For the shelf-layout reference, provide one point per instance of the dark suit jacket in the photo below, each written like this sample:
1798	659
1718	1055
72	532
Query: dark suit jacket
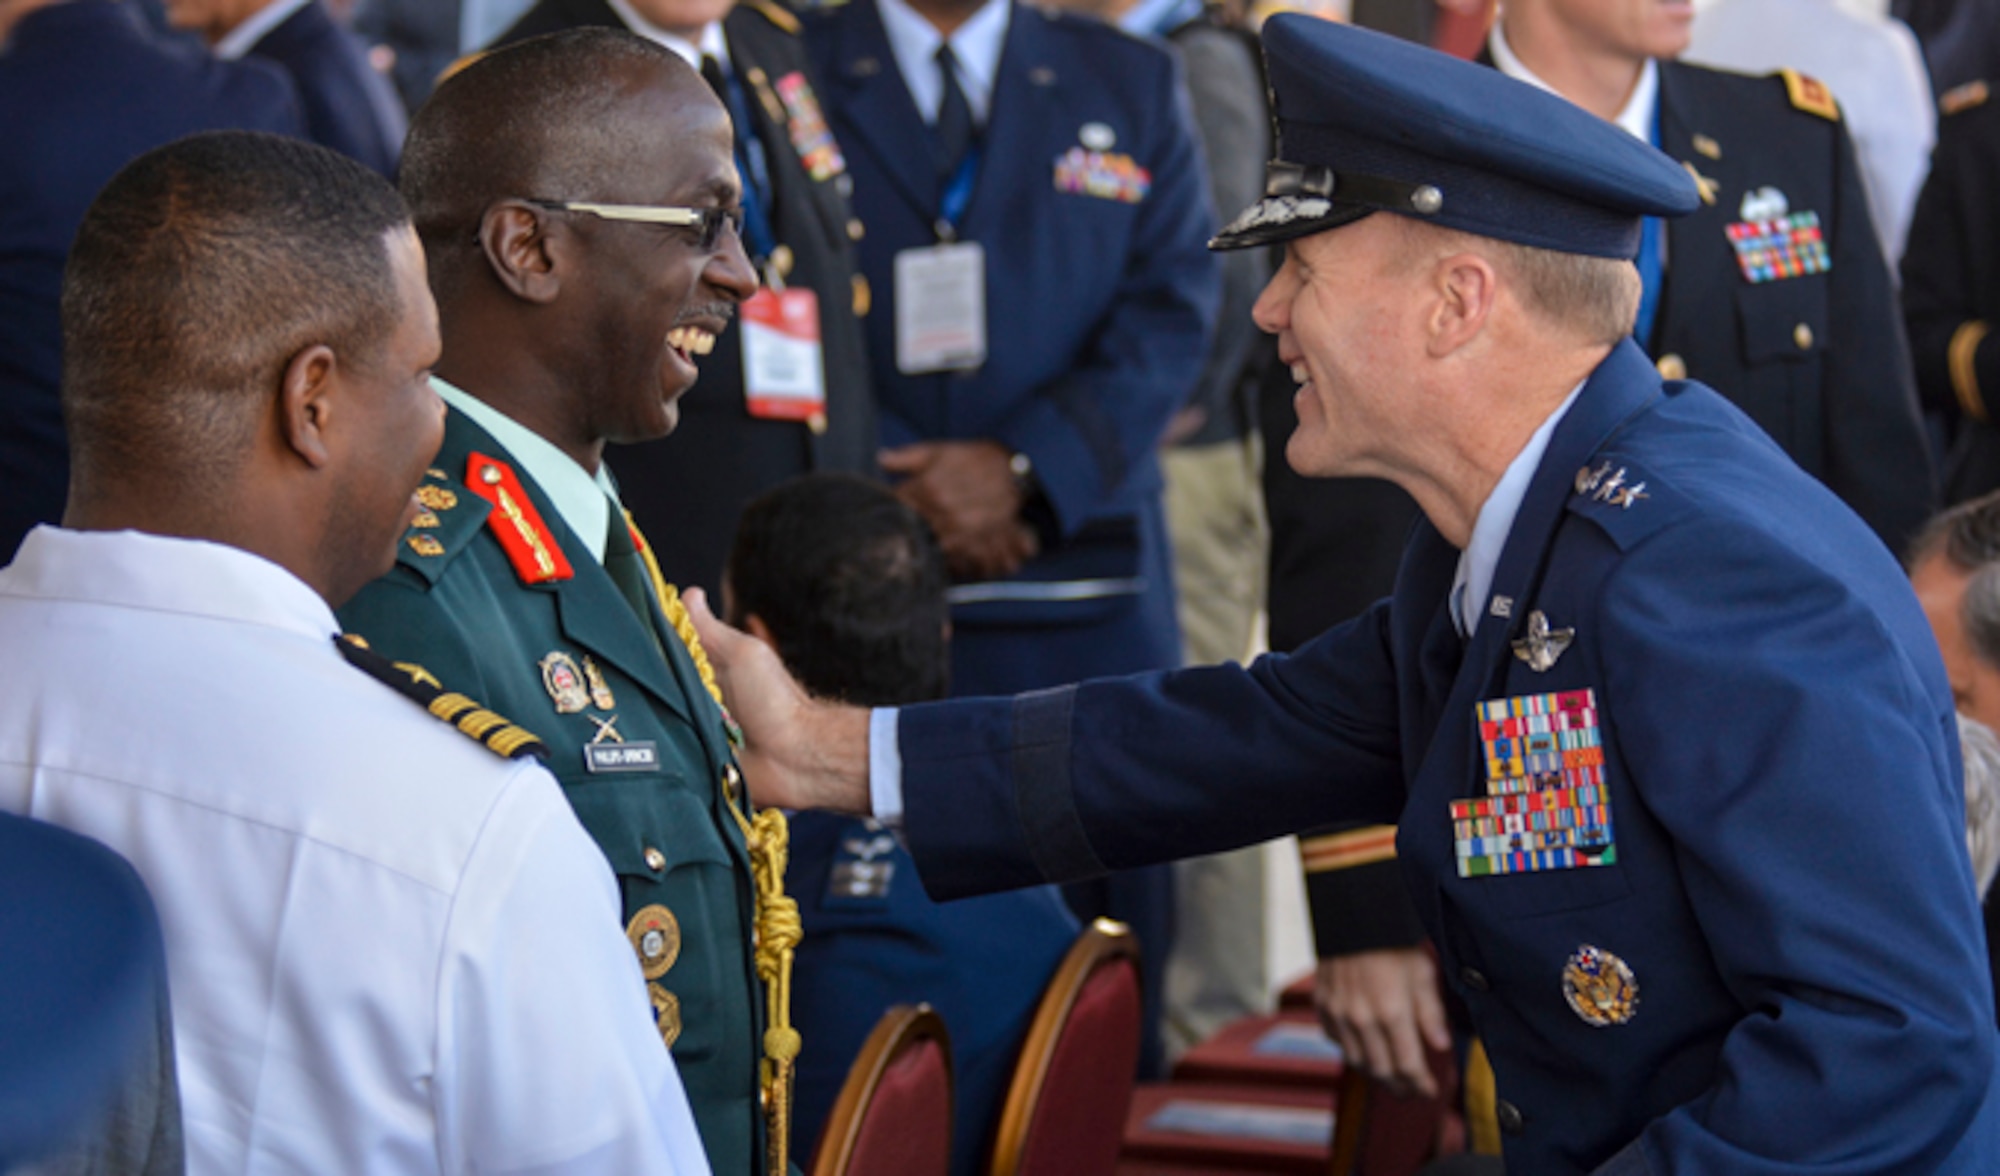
1098	314
89	89
455	605
1788	888
687	489
1951	289
349	107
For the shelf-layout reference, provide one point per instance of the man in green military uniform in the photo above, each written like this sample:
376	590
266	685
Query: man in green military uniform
578	206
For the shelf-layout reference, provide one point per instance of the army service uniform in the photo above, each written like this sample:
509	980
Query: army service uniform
507	604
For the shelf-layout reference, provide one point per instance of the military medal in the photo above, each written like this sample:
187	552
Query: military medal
656	936
1546	807
666	1013
1540	646
1599	987
564	683
600	690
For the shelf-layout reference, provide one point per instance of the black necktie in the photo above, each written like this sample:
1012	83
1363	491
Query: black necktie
627	570
954	121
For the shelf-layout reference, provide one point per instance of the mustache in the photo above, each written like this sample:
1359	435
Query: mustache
709	311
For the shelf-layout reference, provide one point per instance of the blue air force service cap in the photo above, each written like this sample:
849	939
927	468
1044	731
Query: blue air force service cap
1369	123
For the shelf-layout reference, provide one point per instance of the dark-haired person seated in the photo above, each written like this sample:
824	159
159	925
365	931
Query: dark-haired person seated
392	949
847	584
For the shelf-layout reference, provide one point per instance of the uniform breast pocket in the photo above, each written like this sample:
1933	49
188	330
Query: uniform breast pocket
1521	896
1783	320
680	890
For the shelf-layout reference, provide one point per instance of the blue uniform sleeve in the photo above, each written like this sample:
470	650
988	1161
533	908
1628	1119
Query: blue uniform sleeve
1062	784
1089	429
1799	749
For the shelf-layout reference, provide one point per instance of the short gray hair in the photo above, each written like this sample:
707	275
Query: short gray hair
1968	537
1597	297
1981	752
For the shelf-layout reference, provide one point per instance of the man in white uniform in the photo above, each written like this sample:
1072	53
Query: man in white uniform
391	949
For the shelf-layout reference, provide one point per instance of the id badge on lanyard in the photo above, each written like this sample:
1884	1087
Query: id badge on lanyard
941	292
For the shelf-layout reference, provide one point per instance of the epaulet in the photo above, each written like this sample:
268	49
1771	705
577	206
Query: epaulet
416	683
1959	99
1810	94
529	543
1622	499
448	521
784	18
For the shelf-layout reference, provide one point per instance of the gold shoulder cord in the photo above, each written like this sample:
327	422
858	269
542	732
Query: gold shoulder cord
778	929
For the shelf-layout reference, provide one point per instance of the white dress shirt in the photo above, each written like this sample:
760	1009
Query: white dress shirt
709	41
1637	118
1872	64
390	951
977	43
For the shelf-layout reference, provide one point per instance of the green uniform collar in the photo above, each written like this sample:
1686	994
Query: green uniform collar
584	501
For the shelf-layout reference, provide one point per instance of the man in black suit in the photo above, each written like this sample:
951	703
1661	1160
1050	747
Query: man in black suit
743	431
349	107
92	89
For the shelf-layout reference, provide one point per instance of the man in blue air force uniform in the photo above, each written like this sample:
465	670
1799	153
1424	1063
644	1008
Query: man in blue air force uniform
1669	745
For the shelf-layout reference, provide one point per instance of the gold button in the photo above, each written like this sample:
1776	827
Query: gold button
855	230
490	475
863	297
732	780
655	860
1672	367
1802	335
782	261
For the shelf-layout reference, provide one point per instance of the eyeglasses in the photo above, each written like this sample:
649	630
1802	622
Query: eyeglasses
708	221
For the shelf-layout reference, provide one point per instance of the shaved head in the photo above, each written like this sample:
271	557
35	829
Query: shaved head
535	120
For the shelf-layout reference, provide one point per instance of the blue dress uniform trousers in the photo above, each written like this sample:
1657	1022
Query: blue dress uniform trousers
1787	894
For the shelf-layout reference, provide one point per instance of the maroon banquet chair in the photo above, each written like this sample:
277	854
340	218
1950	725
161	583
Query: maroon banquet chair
1065	1109
893	1115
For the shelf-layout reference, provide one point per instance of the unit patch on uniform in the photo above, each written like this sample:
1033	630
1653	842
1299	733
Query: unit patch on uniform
1790	246
806	125
656	936
1600	987
1546	807
564	682
1108	175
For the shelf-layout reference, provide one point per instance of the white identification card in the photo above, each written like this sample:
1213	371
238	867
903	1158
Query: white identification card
783	377
940	308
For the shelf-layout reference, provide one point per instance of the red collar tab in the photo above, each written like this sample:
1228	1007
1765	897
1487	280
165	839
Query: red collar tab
530	546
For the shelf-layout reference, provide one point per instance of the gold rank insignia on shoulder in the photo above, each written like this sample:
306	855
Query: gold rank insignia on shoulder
1810	94
1959	99
426	520
1600	987
426	545
414	682
437	497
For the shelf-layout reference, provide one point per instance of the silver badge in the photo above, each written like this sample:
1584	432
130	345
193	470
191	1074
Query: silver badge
1097	136
1541	645
1763	204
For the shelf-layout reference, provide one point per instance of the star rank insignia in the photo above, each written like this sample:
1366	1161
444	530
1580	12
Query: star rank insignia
1605	485
1541	646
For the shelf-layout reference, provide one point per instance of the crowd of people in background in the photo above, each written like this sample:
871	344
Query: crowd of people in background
952	399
